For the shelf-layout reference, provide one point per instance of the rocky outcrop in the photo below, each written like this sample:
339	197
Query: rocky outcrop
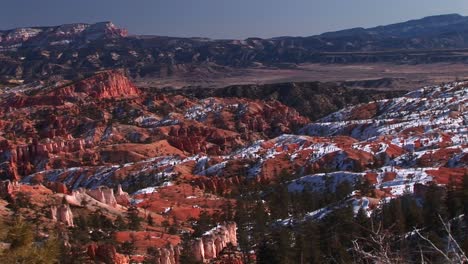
106	253
121	197
62	213
218	185
226	124
106	195
206	248
7	188
104	85
82	196
21	160
57	187
168	255
214	241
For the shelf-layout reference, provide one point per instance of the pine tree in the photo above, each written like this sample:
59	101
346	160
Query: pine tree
120	223
283	249
186	254
152	255
412	211
343	189
464	201
242	218
307	245
204	224
452	200
267	254
280	202
150	220
261	220
134	220
398	216
227	212
337	228
363	223
20	234
24	250
433	206
366	188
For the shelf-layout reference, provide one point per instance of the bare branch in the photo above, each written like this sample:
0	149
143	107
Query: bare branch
433	245
463	257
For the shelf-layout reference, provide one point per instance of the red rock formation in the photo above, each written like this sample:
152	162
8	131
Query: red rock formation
214	241
107	84
168	255
7	188
106	253
218	185
122	197
57	187
71	127
22	158
196	139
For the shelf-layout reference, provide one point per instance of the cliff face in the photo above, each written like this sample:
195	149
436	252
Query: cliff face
62	214
23	159
104	85
214	241
106	195
219	185
168	255
204	249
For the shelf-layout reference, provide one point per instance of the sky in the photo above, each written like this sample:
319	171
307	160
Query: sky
233	19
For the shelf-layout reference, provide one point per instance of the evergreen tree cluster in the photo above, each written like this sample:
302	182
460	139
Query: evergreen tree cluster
396	230
25	247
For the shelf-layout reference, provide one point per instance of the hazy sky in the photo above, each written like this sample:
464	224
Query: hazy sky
224	18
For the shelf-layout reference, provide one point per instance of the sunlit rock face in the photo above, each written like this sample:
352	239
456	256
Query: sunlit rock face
62	213
214	241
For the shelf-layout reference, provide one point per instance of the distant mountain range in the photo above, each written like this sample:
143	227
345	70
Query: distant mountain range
70	51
